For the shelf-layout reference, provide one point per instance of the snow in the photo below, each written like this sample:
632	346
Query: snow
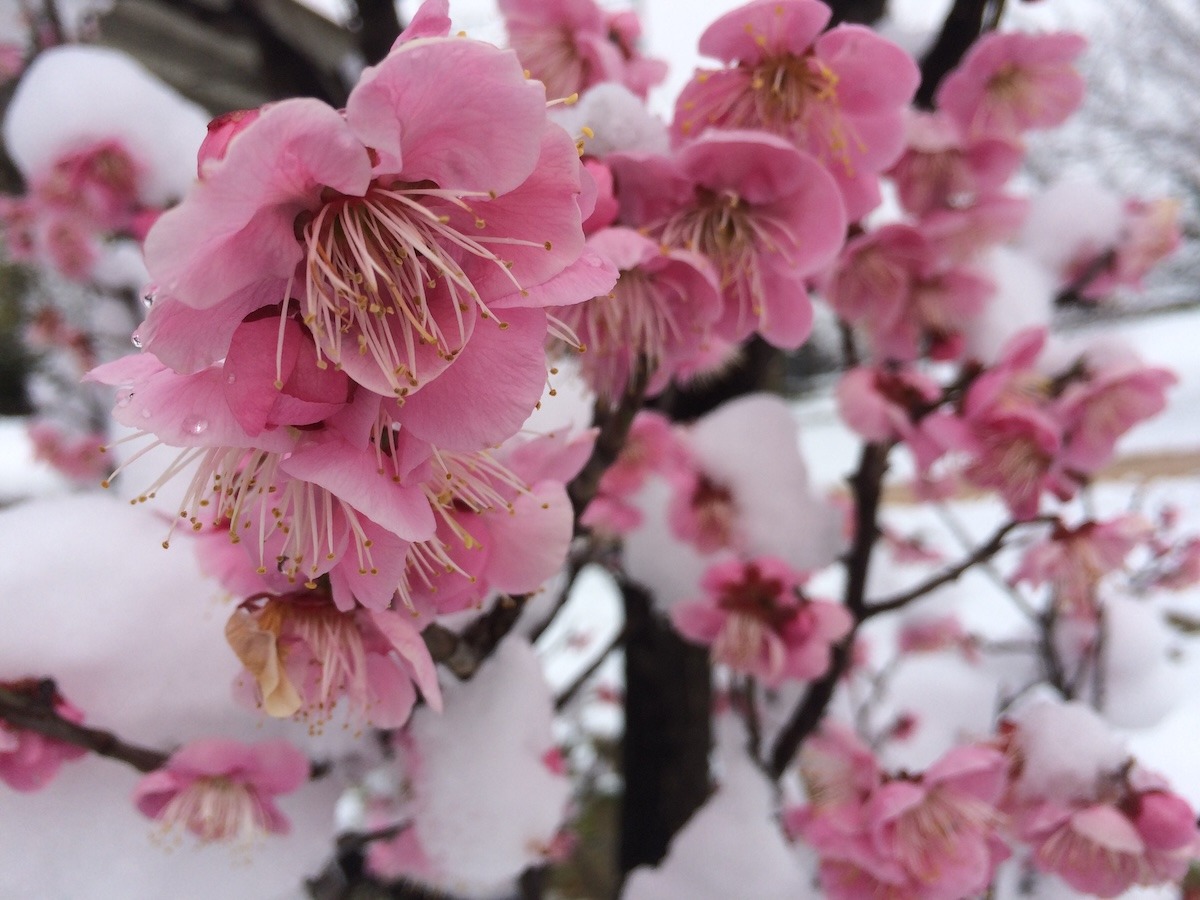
731	842
484	800
75	95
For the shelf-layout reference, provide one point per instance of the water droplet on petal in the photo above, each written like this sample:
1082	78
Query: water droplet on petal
137	340
195	425
230	379
145	413
149	295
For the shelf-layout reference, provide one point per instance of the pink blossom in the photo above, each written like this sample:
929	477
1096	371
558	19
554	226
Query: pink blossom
652	446
402	226
661	310
1074	560
765	214
839	95
757	623
888	405
305	656
77	456
221	790
891	283
941	170
1149	234
571	45
1104	849
1108	397
930	836
1011	82
28	760
505	522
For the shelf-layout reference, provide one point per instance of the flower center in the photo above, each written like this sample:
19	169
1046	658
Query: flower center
216	808
385	275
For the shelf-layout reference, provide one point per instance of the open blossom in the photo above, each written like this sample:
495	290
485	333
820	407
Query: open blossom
571	45
1103	848
28	760
933	836
757	623
1074	560
765	214
838	95
661	310
651	447
402	226
893	284
1112	391
222	790
306	656
940	169
1009	83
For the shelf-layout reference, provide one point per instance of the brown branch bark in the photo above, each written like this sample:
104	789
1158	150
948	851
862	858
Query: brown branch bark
867	487
33	710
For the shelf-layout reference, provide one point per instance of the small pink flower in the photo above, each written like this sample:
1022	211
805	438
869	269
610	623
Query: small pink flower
756	623
1009	83
765	214
305	656
77	456
839	95
892	284
28	760
1105	849
901	404
1108	398
662	309
222	790
652	446
1074	560
571	45
941	170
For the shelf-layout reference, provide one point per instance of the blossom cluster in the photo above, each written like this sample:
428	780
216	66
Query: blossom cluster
345	338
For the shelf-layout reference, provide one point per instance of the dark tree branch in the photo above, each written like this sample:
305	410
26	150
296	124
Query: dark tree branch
982	553
867	487
965	22
379	26
33	710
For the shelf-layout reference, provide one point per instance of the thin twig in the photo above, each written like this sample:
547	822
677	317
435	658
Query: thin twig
34	711
981	554
585	676
867	486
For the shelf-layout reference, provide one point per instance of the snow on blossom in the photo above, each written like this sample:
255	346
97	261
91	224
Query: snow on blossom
28	760
839	95
1023	299
731	842
757	623
617	119
744	493
75	98
132	635
477	778
222	790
